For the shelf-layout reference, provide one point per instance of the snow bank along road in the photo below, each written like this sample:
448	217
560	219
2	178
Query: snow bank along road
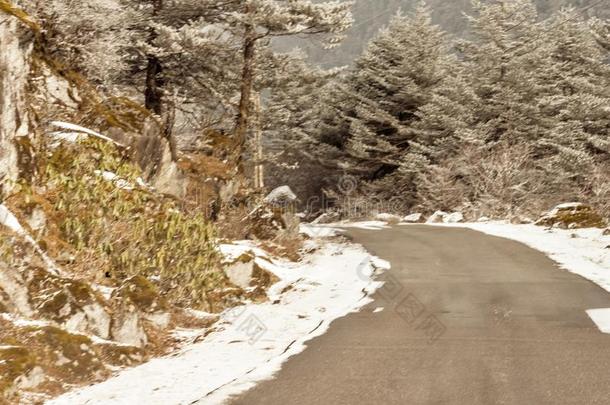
251	341
468	319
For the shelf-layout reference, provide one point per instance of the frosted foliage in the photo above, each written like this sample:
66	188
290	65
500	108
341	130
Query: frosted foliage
518	121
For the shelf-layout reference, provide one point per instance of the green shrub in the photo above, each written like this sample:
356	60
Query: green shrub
129	231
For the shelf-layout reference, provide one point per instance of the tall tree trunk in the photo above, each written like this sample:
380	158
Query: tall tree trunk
259	168
247	80
154	83
153	93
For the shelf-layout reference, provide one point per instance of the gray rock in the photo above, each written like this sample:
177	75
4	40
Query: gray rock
281	196
37	220
414	218
327	218
169	179
127	328
437	218
454	218
14	120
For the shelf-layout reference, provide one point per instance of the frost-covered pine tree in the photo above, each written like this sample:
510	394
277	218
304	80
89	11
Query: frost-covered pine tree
534	89
151	49
81	38
293	108
392	80
256	21
505	61
442	125
577	105
291	122
601	31
182	55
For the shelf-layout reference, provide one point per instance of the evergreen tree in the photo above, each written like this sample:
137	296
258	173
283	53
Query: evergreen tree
505	62
392	80
253	21
76	34
576	107
291	120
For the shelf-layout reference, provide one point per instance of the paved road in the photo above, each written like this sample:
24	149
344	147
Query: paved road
514	331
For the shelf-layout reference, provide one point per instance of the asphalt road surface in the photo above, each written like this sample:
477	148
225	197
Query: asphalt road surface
468	319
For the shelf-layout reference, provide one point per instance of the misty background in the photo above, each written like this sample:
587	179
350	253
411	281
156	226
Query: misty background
372	15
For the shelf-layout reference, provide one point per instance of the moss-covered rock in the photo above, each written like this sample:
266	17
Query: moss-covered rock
137	303
572	216
70	303
15	361
265	222
66	357
120	355
46	359
142	293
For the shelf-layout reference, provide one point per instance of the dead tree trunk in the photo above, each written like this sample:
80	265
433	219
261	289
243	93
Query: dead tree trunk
245	102
153	93
259	168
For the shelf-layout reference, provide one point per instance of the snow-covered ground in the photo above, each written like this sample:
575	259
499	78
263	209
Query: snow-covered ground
255	340
325	230
252	341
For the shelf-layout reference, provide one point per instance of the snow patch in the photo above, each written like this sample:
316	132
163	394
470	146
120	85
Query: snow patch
76	131
380	263
252	341
235	250
601	317
318	231
367	225
388	218
118	182
10	221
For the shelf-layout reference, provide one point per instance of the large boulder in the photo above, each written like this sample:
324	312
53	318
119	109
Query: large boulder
248	273
71	304
41	359
268	221
138	304
28	290
281	196
264	222
442	217
388	218
572	216
454	218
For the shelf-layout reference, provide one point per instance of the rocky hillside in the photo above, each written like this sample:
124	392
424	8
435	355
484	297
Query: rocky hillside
107	240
